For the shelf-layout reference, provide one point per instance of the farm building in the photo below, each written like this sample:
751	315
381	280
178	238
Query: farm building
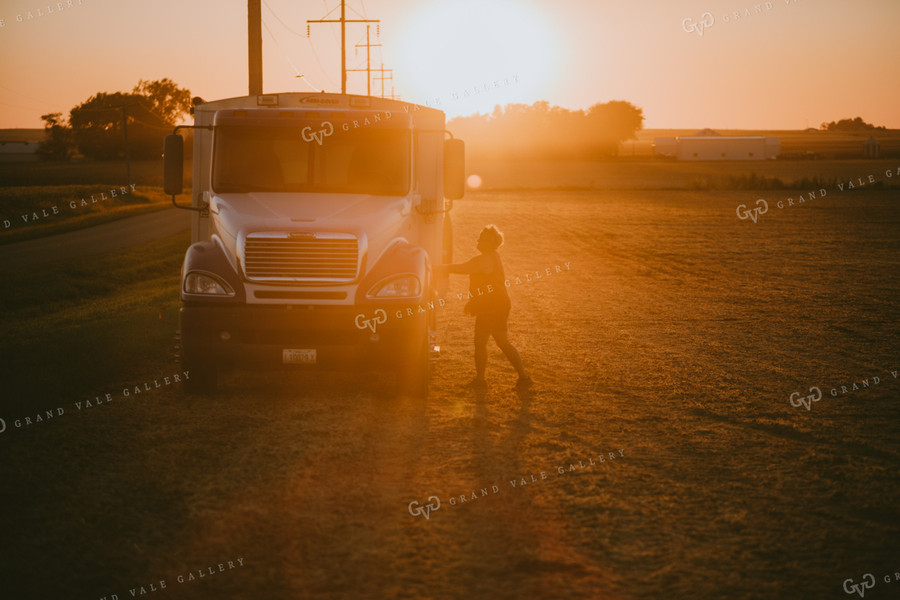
718	147
871	148
18	151
665	146
20	145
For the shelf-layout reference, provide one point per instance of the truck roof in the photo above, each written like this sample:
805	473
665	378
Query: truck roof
318	100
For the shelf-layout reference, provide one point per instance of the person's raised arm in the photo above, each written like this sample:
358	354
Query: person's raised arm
478	264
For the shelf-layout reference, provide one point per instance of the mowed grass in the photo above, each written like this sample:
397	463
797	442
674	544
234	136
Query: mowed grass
36	211
676	334
73	325
649	174
679	335
827	144
86	172
30	190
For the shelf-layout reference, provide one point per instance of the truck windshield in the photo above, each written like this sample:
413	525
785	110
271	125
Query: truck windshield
279	159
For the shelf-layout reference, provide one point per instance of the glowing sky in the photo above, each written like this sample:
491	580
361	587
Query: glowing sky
789	65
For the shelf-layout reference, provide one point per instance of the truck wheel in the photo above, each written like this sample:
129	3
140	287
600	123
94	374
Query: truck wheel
204	377
447	248
414	368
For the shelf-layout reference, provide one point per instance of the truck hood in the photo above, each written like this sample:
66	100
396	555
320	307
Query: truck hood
377	219
313	209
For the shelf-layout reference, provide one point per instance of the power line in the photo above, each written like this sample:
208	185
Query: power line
357	12
124	108
368	68
382	70
343	21
138	103
283	24
286	26
16	106
22	95
283	53
288	58
325	4
319	62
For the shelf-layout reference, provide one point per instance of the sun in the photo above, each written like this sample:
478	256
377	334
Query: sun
464	56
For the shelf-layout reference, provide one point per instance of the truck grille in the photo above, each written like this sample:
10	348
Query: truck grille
321	257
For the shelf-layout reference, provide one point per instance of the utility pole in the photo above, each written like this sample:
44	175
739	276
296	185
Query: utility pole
382	78
127	153
124	108
343	21
254	47
368	68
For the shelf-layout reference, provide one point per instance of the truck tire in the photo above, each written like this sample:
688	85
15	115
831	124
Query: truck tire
204	377
447	248
414	366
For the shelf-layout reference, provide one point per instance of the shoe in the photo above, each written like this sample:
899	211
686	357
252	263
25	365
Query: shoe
524	382
476	384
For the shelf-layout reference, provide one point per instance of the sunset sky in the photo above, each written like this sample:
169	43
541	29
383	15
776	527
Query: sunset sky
793	64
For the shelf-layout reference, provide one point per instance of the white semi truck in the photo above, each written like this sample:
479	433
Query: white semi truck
317	219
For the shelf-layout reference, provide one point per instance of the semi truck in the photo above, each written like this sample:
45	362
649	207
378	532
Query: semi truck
316	221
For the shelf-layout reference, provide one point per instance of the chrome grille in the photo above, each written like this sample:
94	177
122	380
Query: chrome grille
324	257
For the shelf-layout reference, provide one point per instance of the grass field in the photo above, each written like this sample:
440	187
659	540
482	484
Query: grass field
30	191
677	335
88	320
143	172
36	211
644	174
822	144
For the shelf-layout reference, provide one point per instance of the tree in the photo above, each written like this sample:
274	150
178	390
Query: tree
545	131
615	122
99	123
856	124
98	126
166	99
57	143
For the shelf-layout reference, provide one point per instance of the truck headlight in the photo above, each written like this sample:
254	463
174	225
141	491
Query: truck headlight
403	286
206	284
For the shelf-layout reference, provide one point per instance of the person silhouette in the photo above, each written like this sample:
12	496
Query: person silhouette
489	304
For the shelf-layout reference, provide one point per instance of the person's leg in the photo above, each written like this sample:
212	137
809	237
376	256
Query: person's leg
511	353
482	334
499	331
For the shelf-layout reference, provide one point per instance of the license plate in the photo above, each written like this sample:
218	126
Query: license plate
293	356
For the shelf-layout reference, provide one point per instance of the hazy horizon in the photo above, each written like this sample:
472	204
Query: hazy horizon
783	65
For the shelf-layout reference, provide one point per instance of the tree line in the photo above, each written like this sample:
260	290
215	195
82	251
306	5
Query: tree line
97	127
856	124
544	131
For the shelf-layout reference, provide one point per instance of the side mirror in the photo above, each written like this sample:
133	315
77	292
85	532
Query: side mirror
173	178
454	169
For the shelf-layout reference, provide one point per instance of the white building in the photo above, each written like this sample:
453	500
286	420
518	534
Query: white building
665	146
718	147
18	151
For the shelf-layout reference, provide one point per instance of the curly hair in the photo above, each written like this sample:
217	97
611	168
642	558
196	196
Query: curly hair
492	236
